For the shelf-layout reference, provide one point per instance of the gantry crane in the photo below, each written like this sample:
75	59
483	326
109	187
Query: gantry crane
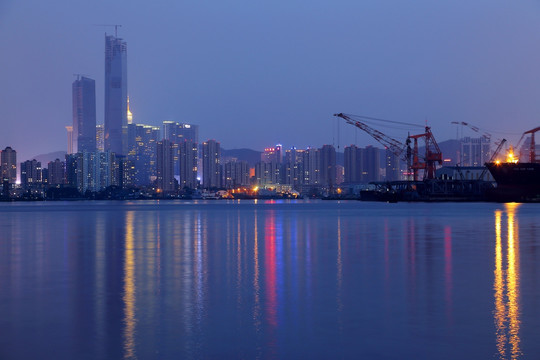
414	161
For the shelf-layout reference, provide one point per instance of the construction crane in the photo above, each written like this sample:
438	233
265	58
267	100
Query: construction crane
116	26
414	161
532	145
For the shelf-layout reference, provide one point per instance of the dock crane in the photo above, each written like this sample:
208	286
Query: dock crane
532	145
414	161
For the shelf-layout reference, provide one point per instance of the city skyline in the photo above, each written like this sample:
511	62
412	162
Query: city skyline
272	84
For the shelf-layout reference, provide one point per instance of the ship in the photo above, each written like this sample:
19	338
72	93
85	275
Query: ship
517	181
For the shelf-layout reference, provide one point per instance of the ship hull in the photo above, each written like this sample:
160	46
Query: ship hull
516	182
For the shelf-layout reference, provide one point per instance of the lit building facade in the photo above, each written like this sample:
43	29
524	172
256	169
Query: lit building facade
8	165
84	114
100	137
31	174
69	133
272	154
115	94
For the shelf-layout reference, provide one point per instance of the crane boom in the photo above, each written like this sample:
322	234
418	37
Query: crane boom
391	144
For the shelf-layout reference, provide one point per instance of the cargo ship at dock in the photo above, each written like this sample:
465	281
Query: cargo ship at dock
517	181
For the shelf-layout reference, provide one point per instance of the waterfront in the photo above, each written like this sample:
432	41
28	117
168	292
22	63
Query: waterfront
268	279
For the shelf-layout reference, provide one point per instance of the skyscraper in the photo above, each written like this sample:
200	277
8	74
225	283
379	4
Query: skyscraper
115	94
328	165
188	164
211	164
8	166
164	166
84	114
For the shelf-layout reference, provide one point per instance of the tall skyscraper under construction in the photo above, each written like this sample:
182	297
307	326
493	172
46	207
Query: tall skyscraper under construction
84	115
115	94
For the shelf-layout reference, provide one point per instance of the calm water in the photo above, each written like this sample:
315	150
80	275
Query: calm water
266	279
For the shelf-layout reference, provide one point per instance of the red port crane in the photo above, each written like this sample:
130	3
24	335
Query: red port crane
532	145
414	161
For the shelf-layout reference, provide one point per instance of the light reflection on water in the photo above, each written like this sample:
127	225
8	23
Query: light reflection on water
506	285
268	280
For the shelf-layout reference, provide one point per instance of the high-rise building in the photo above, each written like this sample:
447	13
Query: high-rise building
267	173
353	164
475	151
293	169
8	165
31	173
94	171
236	174
371	164
84	114
392	166
178	132
100	137
115	94
69	130
272	154
188	158
56	172
142	140
164	166
312	166
211	164
328	165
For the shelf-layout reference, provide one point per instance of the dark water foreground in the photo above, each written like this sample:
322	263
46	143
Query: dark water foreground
319	280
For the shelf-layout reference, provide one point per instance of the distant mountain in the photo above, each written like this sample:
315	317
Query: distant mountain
251	156
45	158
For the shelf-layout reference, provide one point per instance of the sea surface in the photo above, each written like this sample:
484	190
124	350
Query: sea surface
269	279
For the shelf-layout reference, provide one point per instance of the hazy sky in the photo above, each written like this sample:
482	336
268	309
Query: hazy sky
254	73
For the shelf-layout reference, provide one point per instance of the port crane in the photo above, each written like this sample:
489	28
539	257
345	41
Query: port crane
532	145
414	161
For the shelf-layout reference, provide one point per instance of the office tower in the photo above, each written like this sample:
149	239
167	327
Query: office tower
371	161
475	151
56	172
30	173
8	165
69	130
236	174
84	114
100	137
115	94
188	158
211	162
164	166
353	164
328	165
392	166
272	154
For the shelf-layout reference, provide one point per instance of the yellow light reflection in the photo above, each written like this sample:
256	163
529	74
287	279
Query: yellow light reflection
129	291
507	306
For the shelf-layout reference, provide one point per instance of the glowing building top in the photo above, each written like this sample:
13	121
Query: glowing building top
129	114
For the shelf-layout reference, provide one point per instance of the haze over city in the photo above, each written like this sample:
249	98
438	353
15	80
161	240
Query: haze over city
255	74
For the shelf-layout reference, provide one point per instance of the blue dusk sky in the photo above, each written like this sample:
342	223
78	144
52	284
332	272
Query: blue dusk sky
255	73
